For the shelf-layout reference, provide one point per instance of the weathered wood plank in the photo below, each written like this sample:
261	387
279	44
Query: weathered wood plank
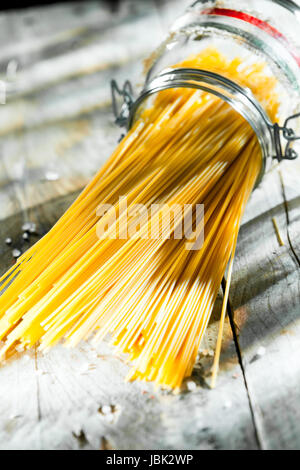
73	385
289	176
19	386
69	111
76	387
33	172
52	31
169	11
107	42
266	300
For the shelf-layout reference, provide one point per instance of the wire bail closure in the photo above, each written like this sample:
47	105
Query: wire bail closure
123	115
289	135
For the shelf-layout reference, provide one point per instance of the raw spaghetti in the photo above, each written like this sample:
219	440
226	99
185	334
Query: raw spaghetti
153	296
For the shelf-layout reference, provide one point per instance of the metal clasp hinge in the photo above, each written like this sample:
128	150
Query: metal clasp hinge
289	135
121	114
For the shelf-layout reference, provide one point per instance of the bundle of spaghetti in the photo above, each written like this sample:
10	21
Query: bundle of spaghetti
103	273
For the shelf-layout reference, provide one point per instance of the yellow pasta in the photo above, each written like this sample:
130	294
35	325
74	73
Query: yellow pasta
152	295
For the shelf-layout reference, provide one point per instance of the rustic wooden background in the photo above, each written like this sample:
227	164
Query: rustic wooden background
56	129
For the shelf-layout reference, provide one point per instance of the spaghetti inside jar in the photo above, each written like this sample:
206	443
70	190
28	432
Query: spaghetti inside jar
231	38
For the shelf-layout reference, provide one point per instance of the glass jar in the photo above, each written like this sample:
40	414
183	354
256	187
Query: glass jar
252	30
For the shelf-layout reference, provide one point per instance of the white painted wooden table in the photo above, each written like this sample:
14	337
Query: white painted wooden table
55	131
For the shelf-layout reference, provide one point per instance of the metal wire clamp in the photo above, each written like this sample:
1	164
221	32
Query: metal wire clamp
289	135
121	114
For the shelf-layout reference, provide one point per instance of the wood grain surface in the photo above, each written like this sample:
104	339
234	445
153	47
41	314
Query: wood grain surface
56	129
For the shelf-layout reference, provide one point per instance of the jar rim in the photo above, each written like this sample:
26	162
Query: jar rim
239	98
